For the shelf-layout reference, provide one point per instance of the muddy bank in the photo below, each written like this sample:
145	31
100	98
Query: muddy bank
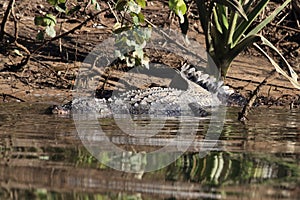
50	74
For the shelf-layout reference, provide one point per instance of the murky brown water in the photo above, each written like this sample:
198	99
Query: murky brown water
42	157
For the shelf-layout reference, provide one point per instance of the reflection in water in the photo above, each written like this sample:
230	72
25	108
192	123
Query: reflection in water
41	157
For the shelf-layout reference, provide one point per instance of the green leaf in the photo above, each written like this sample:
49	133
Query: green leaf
244	43
292	77
216	20
50	19
141	17
247	5
56	2
141	3
179	7
73	10
47	20
135	19
268	19
50	31
133	7
225	27
233	5
232	29
121	5
97	6
53	2
138	53
244	25
40	35
222	13
39	21
61	7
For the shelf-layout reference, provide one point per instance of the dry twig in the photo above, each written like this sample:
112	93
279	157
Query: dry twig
5	17
243	115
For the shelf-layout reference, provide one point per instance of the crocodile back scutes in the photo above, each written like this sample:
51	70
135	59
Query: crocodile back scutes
206	81
154	101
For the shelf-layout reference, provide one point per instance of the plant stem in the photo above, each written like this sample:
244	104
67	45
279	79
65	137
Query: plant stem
4	20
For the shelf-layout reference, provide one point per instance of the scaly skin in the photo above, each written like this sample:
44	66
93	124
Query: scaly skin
203	92
152	101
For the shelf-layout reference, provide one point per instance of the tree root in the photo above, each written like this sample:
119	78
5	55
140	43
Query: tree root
5	17
242	116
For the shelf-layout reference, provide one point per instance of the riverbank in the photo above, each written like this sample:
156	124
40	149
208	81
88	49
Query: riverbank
50	74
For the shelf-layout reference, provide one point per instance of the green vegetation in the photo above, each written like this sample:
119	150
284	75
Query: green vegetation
227	24
130	39
49	20
228	28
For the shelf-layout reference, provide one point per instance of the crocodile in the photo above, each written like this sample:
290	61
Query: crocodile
203	93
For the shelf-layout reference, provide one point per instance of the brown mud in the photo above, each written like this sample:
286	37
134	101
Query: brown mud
49	76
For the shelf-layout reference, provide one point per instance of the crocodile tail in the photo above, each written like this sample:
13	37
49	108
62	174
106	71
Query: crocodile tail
211	84
206	81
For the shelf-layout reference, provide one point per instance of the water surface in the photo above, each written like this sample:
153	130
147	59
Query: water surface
42	157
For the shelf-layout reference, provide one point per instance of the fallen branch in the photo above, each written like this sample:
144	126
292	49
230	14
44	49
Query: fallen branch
289	28
5	17
11	96
26	59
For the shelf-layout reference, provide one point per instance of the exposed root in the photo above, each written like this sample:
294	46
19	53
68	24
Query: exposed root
243	115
